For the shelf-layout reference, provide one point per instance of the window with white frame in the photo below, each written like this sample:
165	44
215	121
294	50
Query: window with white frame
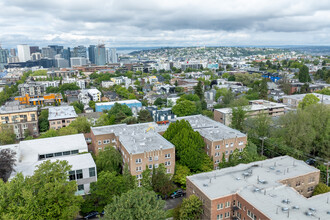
167	156
167	163
227	145
226	152
220	206
217	154
227	214
138	160
150	158
217	147
99	142
227	204
240	143
168	170
231	151
138	169
156	158
231	144
219	217
240	149
217	161
150	166
156	165
139	176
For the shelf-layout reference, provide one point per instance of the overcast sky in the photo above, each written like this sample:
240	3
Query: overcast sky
165	22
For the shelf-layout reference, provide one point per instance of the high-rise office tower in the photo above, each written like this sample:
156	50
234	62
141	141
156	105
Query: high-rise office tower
79	51
100	57
4	54
56	48
13	52
48	52
114	55
34	49
91	53
23	51
36	56
66	53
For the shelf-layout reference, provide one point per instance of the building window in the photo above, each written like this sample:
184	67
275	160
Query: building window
311	179
74	152
58	154
79	174
150	158
227	204
138	160
139	176
156	157
72	175
156	165
217	154
226	152
80	187
227	214
49	155
168	170
231	144
217	161
231	151
310	189
220	206
66	153
227	145
240	143
167	156
167	163
150	166
217	147
298	183
219	217
138	169
91	171
99	142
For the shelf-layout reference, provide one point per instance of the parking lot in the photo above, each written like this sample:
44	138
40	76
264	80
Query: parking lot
172	203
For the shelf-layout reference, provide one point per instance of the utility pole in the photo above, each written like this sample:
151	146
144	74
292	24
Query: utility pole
327	180
262	144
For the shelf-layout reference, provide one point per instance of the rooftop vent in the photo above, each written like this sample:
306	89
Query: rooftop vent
308	213
205	185
285	209
312	209
286	201
256	190
272	168
295	207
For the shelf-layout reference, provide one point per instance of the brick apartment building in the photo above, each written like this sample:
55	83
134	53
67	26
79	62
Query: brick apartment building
140	145
21	119
254	108
144	141
61	116
277	188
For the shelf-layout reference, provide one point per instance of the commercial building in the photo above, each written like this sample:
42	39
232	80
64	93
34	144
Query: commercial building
100	56
276	188
31	89
23	51
79	51
33	152
61	116
47	99
23	121
224	115
78	61
293	100
140	145
91	53
134	105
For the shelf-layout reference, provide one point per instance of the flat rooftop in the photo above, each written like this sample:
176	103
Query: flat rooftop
119	102
137	139
61	112
269	171
299	97
258	182
16	109
256	105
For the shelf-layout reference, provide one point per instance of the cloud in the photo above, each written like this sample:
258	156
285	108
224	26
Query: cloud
170	22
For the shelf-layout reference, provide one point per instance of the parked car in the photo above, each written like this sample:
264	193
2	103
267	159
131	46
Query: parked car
91	215
177	194
311	161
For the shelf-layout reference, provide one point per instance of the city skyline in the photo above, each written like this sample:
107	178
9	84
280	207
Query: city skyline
171	23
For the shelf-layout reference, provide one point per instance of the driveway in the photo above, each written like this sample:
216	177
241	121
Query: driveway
172	203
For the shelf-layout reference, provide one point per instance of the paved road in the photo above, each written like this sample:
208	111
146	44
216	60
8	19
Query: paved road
172	203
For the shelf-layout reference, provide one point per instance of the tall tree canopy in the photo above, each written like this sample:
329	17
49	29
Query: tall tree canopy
7	163
138	203
304	74
109	159
46	195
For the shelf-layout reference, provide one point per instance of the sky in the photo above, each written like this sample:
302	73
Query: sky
145	23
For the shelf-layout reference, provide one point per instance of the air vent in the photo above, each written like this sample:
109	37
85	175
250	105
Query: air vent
286	201
295	207
285	209
312	209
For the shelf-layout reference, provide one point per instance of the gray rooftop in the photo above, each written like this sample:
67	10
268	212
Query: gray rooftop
257	105
258	182
61	112
15	107
325	99
136	139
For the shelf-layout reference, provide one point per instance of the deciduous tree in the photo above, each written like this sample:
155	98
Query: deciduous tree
7	163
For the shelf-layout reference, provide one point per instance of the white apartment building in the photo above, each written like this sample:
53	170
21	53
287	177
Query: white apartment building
23	52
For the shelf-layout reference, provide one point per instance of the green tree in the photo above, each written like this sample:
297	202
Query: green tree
144	116
81	124
309	99
43	121
191	208
7	135
320	189
304	74
109	160
67	131
129	120
45	195
108	185
238	117
78	107
198	89
49	133
184	108
7	163
136	204
225	75
92	104
263	89
181	173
